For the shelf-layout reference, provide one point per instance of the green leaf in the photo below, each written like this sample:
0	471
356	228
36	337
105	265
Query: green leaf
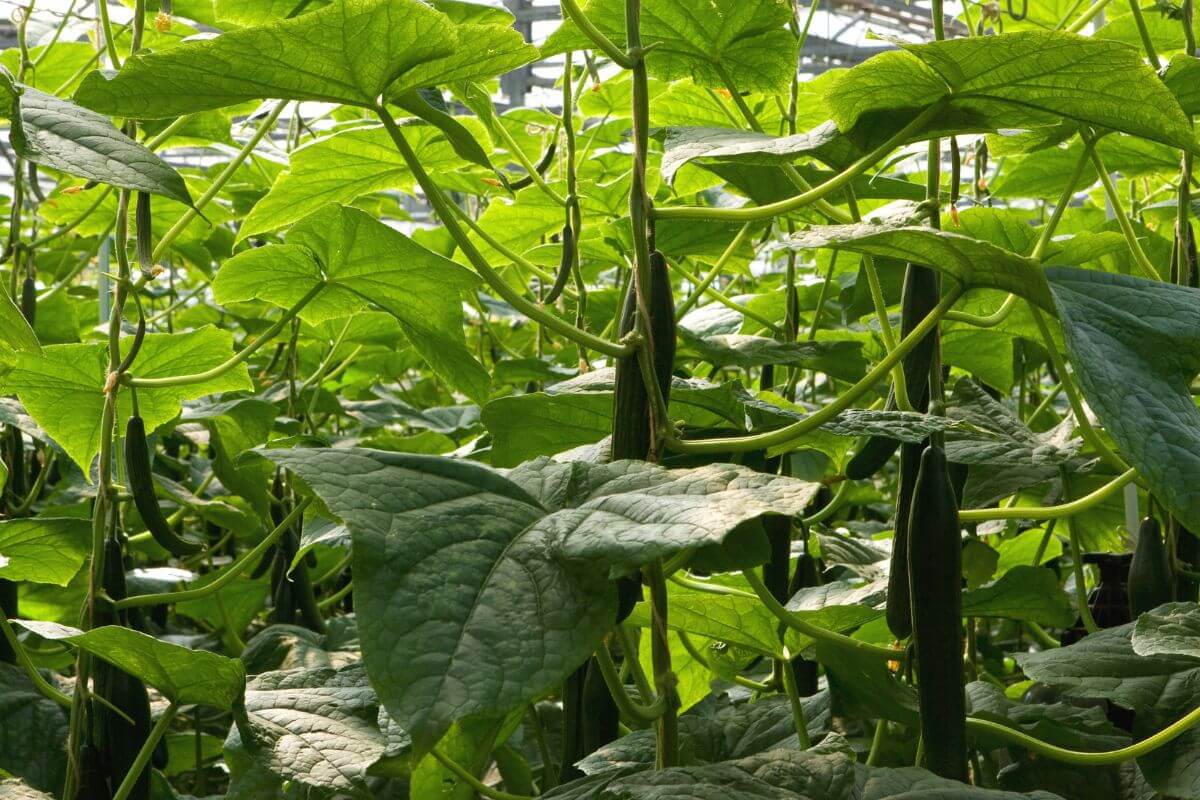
1183	79
536	547
58	134
33	735
362	261
744	39
62	387
344	166
347	52
732	146
1024	79
1014	443
1169	630
181	675
15	334
720	730
1061	724
485	51
15	789
1135	349
317	727
43	549
971	262
1024	592
841	359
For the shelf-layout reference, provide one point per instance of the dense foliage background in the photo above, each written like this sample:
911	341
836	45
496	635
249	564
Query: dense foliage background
724	432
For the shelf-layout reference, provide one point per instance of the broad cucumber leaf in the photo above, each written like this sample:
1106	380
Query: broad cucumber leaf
59	134
1024	592
718	730
362	261
744	39
484	51
181	675
1183	78
15	789
1023	79
347	52
344	166
62	387
43	549
730	145
317	727
33	735
533	550
15	334
1135	348
1169	630
973	263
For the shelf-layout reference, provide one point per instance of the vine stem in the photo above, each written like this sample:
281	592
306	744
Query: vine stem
230	363
265	127
793	695
702	286
815	631
1114	198
812	195
144	754
741	444
1087	16
450	221
466	777
572	11
636	712
1051	512
229	573
41	684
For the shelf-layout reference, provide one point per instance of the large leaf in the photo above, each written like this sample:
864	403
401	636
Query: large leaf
348	52
62	387
360	260
730	145
973	263
531	551
317	727
344	166
1025	79
1135	348
43	549
58	134
181	675
34	732
744	39
1029	593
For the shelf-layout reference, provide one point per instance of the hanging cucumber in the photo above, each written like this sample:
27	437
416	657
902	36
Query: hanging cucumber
631	404
1149	584
29	300
141	486
564	266
917	300
935	578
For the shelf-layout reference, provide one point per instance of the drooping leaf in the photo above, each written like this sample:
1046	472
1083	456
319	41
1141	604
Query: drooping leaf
347	52
182	675
34	732
59	134
43	549
1135	349
1023	593
1023	79
973	263
421	524
730	145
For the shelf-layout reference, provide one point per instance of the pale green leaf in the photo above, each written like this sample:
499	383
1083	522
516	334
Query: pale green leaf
43	549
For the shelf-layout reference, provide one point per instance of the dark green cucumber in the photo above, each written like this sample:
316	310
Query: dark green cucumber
935	578
539	167
631	404
143	223
1187	549
141	486
917	299
29	300
17	484
1149	584
564	266
899	602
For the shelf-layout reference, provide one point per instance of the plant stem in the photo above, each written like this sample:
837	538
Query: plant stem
449	220
146	751
742	444
702	286
41	684
469	779
641	714
1135	10
572	11
1051	512
265	127
793	694
1087	16
1114	198
812	195
667	739
815	631
241	356
227	575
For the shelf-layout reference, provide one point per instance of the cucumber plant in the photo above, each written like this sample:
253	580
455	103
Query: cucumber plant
718	431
